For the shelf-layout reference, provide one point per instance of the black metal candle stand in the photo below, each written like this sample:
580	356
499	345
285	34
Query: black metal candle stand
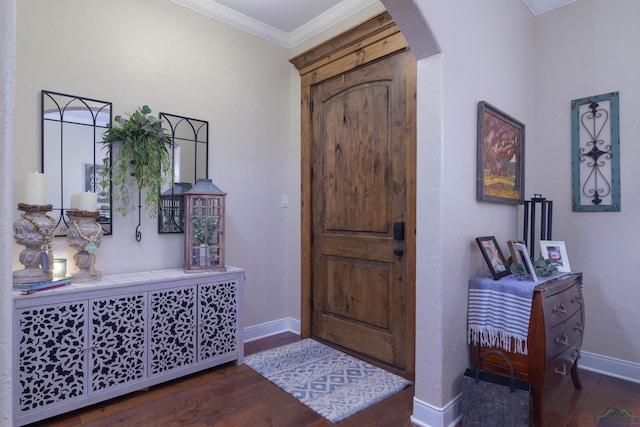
546	218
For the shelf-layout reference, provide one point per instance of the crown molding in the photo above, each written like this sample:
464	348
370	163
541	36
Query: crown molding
337	13
540	6
243	22
323	21
236	19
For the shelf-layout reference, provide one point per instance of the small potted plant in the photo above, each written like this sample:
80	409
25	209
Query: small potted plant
142	158
205	234
543	268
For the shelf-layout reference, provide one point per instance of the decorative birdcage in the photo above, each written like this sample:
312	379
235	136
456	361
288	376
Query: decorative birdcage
204	227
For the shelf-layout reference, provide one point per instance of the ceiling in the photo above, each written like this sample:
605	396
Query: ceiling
290	22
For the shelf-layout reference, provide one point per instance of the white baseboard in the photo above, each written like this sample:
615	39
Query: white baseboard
426	415
263	330
609	366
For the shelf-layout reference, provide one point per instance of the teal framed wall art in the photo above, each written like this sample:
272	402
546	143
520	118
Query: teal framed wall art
595	135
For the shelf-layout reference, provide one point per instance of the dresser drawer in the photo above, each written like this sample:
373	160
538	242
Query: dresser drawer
565	335
560	366
561	303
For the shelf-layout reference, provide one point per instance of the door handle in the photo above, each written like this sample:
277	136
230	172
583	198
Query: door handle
398	251
398	230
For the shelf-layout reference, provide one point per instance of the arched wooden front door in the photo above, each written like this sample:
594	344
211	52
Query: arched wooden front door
359	196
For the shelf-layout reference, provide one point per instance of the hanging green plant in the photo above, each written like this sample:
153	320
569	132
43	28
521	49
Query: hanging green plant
141	159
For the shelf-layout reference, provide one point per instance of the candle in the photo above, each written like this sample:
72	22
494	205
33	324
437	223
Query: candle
88	201
74	201
34	188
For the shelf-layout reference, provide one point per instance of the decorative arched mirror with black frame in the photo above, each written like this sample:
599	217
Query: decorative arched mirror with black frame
190	162
73	156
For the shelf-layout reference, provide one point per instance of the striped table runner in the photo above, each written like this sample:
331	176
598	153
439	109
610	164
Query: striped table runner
499	310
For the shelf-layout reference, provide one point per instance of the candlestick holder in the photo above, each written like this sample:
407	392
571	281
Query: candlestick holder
34	230
85	236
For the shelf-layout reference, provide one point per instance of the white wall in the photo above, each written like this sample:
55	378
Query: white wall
7	98
531	67
588	48
486	55
180	62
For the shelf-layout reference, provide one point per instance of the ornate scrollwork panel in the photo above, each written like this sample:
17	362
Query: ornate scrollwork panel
52	354
596	153
217	319
172	338
117	354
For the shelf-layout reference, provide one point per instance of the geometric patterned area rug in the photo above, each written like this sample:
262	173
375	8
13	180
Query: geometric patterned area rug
333	384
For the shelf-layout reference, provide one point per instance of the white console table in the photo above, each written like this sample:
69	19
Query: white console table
84	343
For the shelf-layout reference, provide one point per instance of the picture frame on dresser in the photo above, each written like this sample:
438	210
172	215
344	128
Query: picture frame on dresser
525	260
513	258
493	256
556	252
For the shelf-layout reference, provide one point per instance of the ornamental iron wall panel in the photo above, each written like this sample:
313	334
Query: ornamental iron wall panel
595	132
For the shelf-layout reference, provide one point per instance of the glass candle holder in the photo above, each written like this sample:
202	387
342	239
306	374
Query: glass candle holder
59	268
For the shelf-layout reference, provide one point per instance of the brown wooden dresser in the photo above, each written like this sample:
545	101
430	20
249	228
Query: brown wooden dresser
554	339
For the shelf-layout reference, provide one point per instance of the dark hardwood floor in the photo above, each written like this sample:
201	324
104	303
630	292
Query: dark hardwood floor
236	396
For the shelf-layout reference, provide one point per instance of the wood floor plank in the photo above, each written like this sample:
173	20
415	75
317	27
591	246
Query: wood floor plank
237	396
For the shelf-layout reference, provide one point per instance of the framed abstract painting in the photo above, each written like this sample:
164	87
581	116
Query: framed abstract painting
500	156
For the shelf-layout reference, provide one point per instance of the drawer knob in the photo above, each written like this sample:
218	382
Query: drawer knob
578	327
562	370
577	299
562	309
564	340
576	353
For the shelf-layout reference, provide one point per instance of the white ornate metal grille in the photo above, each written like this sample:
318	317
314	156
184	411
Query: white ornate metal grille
52	354
172	338
118	327
217	319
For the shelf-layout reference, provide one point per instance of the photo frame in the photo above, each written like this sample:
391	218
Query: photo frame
523	258
512	251
493	256
500	156
555	251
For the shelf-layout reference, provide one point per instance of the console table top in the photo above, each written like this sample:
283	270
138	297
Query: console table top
127	279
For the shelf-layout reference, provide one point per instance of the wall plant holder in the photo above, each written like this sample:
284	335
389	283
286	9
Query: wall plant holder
595	135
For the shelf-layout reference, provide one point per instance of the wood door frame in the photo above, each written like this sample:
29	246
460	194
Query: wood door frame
367	42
